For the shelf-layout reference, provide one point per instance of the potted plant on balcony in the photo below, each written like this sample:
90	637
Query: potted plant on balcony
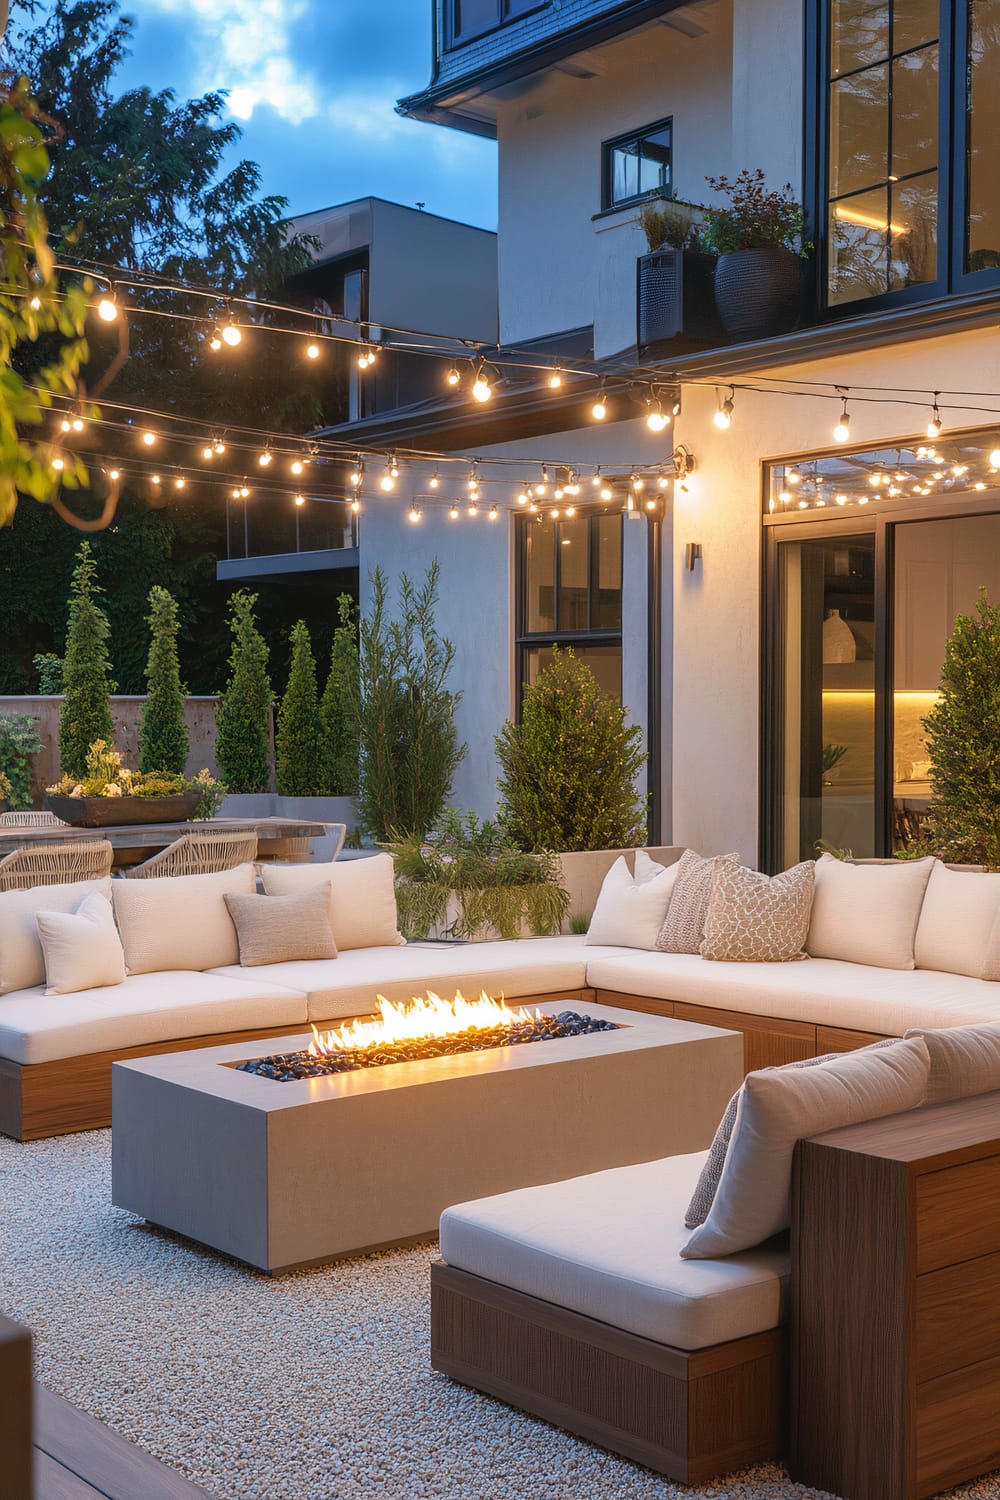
674	294
758	238
110	794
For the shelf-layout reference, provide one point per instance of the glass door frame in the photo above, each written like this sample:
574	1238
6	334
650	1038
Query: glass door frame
879	520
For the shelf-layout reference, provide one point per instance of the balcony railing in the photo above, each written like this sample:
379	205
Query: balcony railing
273	526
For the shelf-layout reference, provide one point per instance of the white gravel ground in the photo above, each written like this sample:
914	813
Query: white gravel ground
315	1386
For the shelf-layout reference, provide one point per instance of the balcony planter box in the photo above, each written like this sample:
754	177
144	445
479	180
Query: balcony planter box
112	812
675	298
758	292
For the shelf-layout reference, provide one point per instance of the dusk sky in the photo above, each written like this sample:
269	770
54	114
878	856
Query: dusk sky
313	84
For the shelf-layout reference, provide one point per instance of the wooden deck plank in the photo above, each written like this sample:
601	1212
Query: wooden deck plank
54	1482
114	1468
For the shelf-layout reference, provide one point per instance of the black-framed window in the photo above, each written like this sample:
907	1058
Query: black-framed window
902	193
638	165
467	19
569	585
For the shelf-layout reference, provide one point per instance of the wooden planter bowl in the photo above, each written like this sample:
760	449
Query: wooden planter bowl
111	812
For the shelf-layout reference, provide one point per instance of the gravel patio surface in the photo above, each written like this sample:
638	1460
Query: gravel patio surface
313	1386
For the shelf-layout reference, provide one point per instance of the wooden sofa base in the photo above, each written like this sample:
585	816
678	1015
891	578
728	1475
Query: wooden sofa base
689	1415
768	1041
38	1100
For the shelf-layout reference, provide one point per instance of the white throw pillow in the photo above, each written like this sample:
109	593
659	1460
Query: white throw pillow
959	927
630	910
82	948
180	921
867	914
22	963
781	1106
965	1060
362	897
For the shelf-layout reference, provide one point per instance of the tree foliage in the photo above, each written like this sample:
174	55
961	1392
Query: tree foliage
243	718
163	736
963	742
568	769
86	709
409	749
299	755
340	704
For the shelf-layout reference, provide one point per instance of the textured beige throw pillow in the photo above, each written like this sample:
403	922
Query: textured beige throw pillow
279	929
82	948
758	919
781	1106
684	924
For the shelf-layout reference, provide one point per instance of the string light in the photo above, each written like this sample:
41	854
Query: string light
494	513
995	458
215	342
312	352
723	418
555	380
394	467
935	426
453	377
571	511
523	496
454	513
244	492
472	509
388	480
265	458
149	438
155	478
356	505
473	482
414	515
107	308
58	464
220	446
35	304
842	431
296	466
367	356
65	424
114	474
481	388
599	410
657	420
607	493
180	484
208	453
434	481
232	335
357	473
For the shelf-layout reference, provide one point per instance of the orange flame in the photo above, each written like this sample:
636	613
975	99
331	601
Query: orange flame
423	1016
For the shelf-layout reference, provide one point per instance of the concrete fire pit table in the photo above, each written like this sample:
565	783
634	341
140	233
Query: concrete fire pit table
283	1175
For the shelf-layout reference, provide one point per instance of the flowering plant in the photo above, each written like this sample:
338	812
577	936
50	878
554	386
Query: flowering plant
756	218
107	776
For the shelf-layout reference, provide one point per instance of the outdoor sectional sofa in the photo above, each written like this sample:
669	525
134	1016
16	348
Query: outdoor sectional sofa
186	988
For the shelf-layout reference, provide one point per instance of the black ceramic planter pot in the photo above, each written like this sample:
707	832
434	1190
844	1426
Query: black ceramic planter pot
758	292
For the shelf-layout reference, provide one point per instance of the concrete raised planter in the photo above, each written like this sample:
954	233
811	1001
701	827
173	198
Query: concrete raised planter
312	809
583	873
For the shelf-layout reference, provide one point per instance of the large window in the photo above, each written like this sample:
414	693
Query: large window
638	165
467	19
570	594
910	102
867	571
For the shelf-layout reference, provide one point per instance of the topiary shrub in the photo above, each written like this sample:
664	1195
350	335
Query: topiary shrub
568	768
299	752
163	736
963	743
340	704
409	747
86	710
243	717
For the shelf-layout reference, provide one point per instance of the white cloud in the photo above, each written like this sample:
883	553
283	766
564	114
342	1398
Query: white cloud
246	49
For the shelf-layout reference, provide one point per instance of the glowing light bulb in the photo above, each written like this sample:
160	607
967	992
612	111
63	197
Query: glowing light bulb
58	464
995	459
207	453
723	418
606	492
155	478
571	510
297	466
244	492
472	510
300	499
231	335
215	343
107	309
356	506
935	426
180	484
482	390
114	474
599	410
65	424
236	494
413	515
522	498
312	351
264	458
387	482
657	420
149	438
494	513
220	447
555	380
355	477
453	376
77	424
35	304
434	481
842	431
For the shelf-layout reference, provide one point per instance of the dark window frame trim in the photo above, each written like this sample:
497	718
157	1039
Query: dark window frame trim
452	41
609	204
952	279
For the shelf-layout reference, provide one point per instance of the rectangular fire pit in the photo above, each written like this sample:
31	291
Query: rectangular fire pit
296	1173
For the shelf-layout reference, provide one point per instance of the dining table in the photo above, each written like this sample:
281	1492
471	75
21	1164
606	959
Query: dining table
134	842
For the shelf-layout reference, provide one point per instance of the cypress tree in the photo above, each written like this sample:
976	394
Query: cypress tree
300	756
86	710
963	743
568	769
163	736
243	718
340	704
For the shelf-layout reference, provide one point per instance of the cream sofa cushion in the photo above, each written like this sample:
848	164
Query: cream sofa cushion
82	948
959	927
147	1008
362	897
780	1106
22	962
277	929
608	1245
180	918
756	918
867	914
630	910
965	1060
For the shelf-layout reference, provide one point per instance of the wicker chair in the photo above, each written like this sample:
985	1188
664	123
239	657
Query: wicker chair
56	864
299	850
31	820
198	854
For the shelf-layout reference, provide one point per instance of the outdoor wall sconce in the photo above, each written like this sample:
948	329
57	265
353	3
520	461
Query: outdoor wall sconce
692	555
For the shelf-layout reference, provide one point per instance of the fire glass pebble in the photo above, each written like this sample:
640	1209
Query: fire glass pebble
288	1066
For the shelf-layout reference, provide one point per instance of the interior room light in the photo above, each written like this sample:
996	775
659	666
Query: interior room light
723	418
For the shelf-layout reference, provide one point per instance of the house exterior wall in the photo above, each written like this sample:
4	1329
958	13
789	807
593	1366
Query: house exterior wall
432	275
